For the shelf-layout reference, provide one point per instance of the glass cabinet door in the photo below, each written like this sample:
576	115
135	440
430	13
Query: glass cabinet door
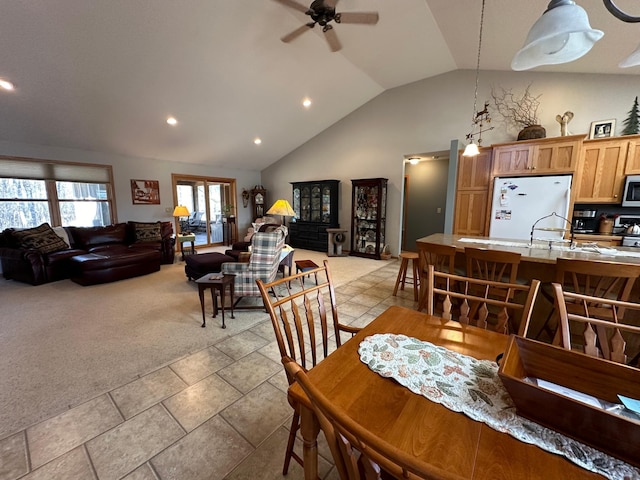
305	204
326	204
296	201
316	204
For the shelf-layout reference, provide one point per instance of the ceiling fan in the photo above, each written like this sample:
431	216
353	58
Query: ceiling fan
323	12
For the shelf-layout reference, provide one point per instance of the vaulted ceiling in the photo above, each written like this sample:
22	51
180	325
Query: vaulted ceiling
105	75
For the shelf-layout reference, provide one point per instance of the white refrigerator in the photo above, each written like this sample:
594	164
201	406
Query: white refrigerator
518	202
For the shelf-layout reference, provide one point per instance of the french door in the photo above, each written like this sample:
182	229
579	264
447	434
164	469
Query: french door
207	199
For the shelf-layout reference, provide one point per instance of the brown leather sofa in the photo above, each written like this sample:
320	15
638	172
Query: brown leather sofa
91	255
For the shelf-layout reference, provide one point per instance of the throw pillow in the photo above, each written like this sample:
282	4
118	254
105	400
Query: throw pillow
147	232
62	233
41	238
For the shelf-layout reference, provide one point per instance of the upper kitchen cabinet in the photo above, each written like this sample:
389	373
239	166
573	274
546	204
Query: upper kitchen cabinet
632	166
541	156
602	167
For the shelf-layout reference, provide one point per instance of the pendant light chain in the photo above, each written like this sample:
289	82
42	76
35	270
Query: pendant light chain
475	95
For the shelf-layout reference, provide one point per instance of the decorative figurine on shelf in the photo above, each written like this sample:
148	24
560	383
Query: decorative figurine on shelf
632	122
245	197
564	120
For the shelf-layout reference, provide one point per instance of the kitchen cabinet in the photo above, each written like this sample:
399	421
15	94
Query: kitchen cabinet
601	173
368	217
472	194
316	207
542	156
632	166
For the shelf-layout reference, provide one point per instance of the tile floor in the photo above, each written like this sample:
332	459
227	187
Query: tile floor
220	413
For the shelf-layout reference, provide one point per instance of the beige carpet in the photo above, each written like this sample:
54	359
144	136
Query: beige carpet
62	344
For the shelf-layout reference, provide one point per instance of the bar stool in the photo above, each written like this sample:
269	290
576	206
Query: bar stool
402	274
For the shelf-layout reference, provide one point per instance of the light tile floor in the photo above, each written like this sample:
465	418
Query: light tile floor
220	413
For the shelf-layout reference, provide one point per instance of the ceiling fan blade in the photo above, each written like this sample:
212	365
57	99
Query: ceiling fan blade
294	4
331	3
296	33
370	18
332	39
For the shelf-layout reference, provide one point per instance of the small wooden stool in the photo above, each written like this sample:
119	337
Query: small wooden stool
402	274
303	266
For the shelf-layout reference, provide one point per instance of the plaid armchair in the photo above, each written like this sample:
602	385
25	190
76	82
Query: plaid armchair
266	248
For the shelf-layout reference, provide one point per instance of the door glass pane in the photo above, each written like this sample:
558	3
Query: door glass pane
215	213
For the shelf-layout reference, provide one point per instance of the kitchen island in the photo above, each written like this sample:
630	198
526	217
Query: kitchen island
537	260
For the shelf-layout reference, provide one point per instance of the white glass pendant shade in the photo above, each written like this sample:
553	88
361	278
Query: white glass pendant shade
563	34
471	150
632	60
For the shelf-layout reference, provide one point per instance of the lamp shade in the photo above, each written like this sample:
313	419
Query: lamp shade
632	60
181	211
281	207
471	150
563	34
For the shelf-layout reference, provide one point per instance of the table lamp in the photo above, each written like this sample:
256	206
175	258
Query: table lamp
281	207
179	212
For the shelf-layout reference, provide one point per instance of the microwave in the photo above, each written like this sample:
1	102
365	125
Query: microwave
631	196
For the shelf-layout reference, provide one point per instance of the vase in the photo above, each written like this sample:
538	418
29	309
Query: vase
532	131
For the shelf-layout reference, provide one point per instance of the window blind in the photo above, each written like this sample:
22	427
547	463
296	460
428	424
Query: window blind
52	170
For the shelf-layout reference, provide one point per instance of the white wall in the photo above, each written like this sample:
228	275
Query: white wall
425	116
127	168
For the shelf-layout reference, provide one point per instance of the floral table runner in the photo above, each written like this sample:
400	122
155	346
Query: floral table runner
470	386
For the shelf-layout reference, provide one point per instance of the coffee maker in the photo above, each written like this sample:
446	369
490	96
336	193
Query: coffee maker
584	221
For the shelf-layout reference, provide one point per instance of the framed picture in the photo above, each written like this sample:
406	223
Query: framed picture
145	192
602	129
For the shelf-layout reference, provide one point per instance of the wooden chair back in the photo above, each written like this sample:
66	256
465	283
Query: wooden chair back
304	315
357	452
594	278
597	328
494	265
474	297
442	257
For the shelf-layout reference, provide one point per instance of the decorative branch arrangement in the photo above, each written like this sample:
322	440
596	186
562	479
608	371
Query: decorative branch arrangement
517	112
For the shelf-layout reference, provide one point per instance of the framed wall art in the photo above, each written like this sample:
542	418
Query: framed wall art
602	129
145	192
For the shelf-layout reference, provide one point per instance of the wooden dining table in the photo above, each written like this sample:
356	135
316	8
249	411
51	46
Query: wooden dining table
444	438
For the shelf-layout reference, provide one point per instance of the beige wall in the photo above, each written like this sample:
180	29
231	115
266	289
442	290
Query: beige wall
425	116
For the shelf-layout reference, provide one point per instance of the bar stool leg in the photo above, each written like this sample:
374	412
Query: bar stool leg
416	278
402	275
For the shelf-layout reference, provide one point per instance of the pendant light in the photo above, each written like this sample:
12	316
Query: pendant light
563	34
633	59
479	118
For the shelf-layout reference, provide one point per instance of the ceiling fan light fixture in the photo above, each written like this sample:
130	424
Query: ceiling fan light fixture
6	84
561	35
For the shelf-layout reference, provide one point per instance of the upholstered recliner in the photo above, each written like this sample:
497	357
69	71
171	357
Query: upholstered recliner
266	249
238	248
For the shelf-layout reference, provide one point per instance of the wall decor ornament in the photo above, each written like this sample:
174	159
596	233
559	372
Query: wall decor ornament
519	112
632	122
564	120
145	192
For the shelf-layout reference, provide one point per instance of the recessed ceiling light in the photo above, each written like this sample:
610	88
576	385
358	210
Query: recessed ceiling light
7	85
172	121
306	103
257	141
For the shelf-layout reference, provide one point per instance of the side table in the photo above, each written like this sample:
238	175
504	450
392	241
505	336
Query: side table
286	260
181	239
216	282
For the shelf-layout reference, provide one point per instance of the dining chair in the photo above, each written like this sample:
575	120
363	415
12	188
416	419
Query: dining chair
601	279
357	452
603	333
305	321
442	257
494	265
475	296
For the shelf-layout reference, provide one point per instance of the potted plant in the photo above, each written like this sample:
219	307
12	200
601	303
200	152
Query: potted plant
519	113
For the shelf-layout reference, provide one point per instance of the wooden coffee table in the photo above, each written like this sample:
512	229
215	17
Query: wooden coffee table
216	282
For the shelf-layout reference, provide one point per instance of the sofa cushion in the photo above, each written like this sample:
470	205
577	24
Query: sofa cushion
41	238
146	232
88	237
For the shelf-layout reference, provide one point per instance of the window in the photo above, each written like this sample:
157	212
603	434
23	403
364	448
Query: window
36	191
